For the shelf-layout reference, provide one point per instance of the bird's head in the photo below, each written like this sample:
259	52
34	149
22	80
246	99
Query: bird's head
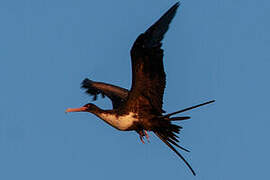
86	108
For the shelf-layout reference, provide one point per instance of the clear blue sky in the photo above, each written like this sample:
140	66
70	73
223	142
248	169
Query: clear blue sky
214	49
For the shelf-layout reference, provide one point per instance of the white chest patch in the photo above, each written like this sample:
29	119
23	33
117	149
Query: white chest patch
121	122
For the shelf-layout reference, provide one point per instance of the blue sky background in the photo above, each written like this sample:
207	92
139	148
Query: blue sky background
214	49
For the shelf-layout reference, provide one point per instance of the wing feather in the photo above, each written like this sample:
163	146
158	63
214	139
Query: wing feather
148	76
116	94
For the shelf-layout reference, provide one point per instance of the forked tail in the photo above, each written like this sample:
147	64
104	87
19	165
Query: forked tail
167	131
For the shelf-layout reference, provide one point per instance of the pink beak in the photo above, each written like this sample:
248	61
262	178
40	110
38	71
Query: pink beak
76	109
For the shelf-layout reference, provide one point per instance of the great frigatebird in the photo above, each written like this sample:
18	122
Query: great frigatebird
140	108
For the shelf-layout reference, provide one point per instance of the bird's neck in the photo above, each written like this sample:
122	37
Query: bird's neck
101	112
121	122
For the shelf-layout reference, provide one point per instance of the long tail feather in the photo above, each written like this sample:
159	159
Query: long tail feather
187	109
172	148
179	118
177	145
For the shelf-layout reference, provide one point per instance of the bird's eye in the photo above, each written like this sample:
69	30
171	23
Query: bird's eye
87	105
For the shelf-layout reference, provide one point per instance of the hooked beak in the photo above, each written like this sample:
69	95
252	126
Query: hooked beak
76	109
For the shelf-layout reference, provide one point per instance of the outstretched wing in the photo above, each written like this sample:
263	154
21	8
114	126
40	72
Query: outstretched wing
117	94
148	76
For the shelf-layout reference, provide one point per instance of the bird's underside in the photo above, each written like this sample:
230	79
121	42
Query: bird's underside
140	108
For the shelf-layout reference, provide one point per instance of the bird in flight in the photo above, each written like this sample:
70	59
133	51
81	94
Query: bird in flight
140	108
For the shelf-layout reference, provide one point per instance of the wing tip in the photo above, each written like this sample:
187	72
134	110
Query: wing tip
85	82
90	89
177	4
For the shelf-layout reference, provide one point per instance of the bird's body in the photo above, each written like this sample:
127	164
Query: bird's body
123	122
140	108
